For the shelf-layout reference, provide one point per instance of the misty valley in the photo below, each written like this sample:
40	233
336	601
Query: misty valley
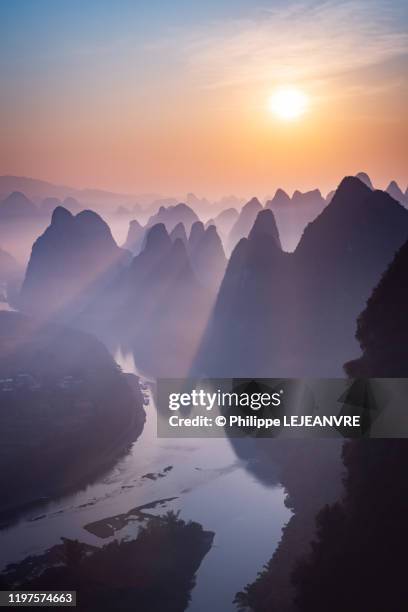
92	500
203	305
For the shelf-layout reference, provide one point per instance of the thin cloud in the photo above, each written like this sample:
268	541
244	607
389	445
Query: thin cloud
304	41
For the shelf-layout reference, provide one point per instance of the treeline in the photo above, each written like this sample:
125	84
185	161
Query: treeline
357	561
155	571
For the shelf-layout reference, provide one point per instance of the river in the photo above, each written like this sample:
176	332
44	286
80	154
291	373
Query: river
210	484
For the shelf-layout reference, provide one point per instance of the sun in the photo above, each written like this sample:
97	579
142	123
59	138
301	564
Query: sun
288	103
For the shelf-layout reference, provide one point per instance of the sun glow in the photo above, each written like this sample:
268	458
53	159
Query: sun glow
288	103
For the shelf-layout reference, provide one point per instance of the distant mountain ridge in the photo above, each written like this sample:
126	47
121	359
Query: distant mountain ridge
37	190
173	215
294	213
17	205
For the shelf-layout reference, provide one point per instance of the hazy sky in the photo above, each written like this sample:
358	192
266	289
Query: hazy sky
172	96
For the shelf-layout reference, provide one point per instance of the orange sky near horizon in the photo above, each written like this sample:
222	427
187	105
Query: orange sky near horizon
188	111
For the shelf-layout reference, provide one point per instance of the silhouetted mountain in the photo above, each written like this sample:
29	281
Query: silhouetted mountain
244	223
179	231
134	239
156	204
338	261
280	198
201	206
245	332
382	328
265	224
70	264
207	255
294	314
163	308
172	215
225	220
308	198
395	192
348	201
293	214
157	245
17	205
196	234
364	178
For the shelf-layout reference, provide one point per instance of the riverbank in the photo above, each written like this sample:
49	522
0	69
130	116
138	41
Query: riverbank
155	571
311	472
67	413
93	466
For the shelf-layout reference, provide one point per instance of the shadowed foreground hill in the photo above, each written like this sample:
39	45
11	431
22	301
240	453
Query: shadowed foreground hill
293	314
382	328
66	410
358	557
337	263
154	572
351	554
